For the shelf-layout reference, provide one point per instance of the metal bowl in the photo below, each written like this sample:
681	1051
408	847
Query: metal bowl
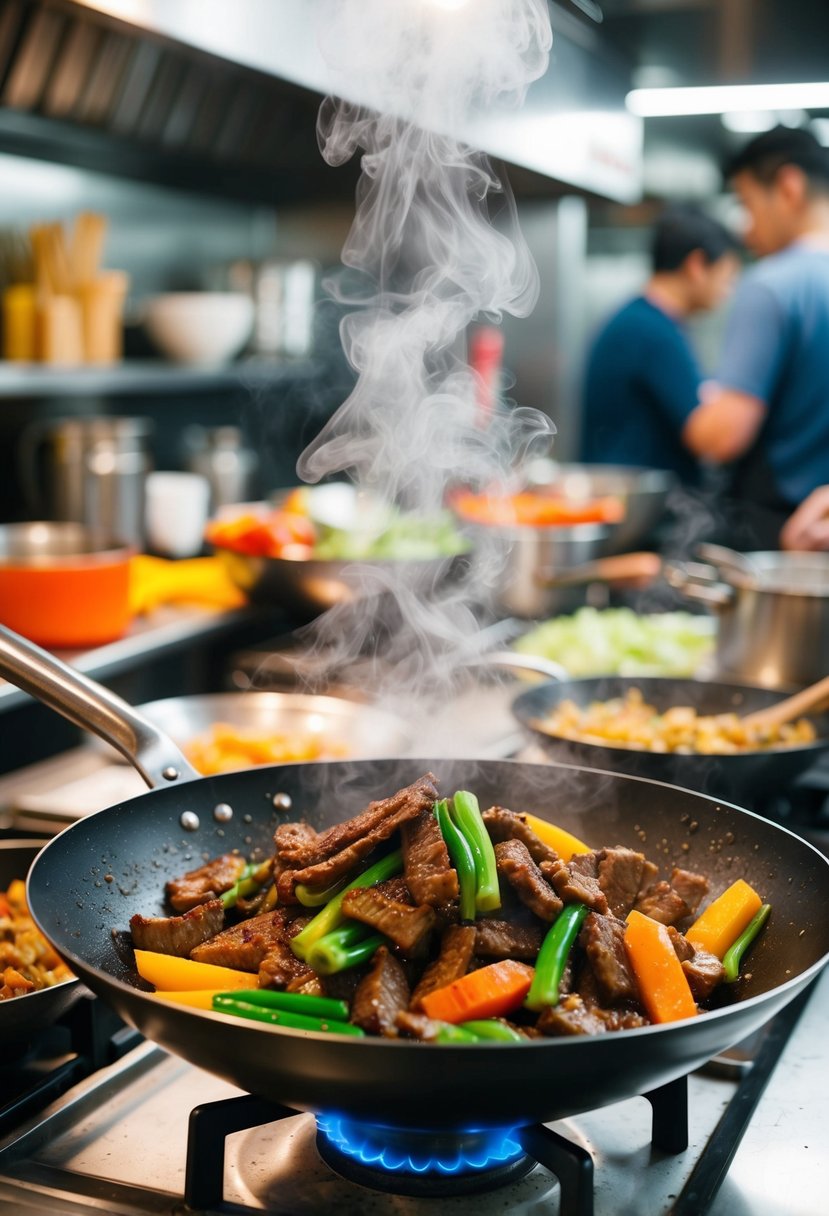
314	585
644	493
363	731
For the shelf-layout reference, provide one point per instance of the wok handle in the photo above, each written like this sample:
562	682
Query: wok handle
635	569
94	708
520	662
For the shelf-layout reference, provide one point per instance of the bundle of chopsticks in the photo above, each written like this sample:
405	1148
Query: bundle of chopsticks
72	312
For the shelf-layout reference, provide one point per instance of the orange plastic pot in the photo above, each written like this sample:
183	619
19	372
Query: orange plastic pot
62	585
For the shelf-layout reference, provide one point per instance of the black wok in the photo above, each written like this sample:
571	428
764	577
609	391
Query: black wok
21	1016
141	843
747	776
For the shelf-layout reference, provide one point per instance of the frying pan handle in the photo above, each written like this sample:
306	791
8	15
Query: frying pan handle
521	662
94	708
699	583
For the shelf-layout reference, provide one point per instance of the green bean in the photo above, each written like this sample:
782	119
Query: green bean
552	957
462	859
332	915
447	1033
342	949
493	1028
733	956
467	816
278	1017
291	1002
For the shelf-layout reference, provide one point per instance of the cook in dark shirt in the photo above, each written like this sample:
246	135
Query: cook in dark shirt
642	380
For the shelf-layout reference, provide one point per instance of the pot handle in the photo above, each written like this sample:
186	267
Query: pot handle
698	582
520	662
634	569
94	708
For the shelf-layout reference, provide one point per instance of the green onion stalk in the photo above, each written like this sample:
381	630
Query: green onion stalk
467	816
343	948
462	859
332	915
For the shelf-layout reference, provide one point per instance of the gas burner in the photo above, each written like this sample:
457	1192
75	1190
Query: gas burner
421	1162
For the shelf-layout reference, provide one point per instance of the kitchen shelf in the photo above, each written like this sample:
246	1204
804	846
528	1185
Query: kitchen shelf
147	377
168	629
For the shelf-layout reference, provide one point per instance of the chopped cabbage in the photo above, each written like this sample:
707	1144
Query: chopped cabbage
618	641
405	538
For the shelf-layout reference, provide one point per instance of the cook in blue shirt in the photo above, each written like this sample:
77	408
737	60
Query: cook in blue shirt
769	417
642	379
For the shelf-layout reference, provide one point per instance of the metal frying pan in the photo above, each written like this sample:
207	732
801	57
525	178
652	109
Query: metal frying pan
22	1015
356	729
743	775
143	842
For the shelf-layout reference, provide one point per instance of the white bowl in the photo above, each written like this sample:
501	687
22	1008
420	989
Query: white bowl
205	327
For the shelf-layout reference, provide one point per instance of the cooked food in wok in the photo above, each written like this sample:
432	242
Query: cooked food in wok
631	722
423	917
27	961
225	748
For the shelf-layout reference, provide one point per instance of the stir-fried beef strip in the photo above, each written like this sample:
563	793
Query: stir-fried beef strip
398	889
244	946
661	902
507	825
517	866
326	873
206	883
290	838
407	927
456	947
503	939
603	940
178	934
691	887
417	1026
620	873
703	971
280	967
381	995
429	874
577	881
337	839
573	1016
308	985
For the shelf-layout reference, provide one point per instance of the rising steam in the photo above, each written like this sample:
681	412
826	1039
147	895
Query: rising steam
424	261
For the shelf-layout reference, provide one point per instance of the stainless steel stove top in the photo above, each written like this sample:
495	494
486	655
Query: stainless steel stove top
116	1143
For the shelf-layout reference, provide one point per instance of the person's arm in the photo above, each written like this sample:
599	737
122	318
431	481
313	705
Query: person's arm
728	419
724	426
808	528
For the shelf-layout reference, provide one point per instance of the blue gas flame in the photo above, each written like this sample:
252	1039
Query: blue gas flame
421	1152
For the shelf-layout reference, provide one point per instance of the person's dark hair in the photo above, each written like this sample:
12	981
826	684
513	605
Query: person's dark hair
681	230
765	155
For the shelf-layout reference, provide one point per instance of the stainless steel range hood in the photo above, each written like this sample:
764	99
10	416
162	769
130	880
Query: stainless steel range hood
574	128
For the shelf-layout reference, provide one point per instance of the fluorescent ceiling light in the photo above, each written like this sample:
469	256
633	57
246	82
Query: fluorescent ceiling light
750	122
721	99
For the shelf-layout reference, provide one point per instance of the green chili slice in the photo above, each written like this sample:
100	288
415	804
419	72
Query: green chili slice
494	1029
552	957
332	915
291	1002
462	859
279	1017
467	816
733	956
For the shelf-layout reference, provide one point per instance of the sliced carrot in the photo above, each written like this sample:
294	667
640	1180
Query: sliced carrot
564	843
172	974
489	992
722	922
663	985
196	998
